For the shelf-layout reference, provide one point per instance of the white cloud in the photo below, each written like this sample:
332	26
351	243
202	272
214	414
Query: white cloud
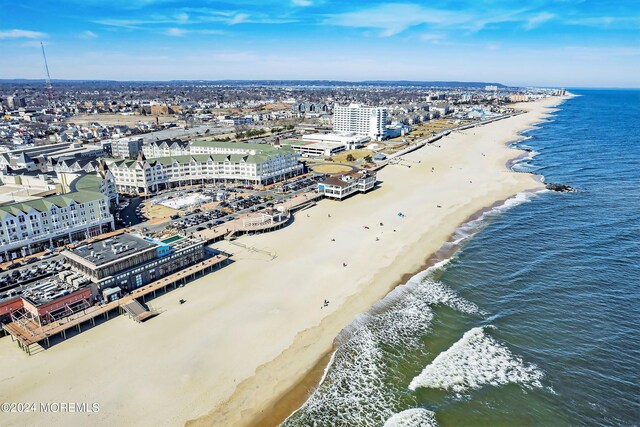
194	16
392	19
22	34
182	17
302	3
88	35
239	19
179	32
538	19
175	32
434	38
632	22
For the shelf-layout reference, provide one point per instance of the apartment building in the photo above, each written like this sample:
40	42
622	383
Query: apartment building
34	225
359	120
66	207
126	148
166	148
221	162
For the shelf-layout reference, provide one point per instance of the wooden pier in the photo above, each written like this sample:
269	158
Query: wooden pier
28	333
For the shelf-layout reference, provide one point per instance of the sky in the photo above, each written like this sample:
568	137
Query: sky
568	43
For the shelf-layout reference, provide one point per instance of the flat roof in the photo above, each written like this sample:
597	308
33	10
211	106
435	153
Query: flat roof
51	288
321	145
111	249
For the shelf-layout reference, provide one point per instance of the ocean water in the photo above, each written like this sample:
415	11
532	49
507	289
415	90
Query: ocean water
535	321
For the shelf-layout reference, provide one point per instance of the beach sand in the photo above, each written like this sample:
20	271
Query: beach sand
240	350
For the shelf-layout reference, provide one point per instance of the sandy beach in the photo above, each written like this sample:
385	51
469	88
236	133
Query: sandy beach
240	350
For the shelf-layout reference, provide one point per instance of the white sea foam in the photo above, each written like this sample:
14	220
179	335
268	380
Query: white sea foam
470	228
354	388
415	417
476	360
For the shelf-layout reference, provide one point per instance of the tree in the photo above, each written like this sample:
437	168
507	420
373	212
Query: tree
368	158
350	158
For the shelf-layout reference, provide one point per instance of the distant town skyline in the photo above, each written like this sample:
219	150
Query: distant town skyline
541	43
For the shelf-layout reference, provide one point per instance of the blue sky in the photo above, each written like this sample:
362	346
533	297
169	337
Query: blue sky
533	42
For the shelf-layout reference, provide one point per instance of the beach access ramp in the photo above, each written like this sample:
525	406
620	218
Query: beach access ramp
137	311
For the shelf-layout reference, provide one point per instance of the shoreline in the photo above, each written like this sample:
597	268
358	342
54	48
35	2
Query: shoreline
252	331
295	396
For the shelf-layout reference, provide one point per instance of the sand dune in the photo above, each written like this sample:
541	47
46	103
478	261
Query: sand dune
252	331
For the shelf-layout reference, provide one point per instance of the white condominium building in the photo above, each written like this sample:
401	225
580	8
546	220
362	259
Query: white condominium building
34	225
80	208
166	148
364	121
209	161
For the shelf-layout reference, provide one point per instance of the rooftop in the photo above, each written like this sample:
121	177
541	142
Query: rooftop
111	249
344	179
44	204
52	287
234	145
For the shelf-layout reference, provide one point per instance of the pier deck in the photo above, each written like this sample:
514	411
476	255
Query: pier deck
28	332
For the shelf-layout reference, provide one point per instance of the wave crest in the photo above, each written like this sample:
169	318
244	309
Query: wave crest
354	390
474	361
415	417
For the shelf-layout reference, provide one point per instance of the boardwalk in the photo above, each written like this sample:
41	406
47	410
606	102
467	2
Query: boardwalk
28	332
237	226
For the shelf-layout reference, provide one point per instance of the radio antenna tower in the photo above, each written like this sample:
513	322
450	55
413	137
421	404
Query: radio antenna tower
48	81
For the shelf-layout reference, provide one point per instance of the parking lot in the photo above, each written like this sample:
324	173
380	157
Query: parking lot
298	184
227	202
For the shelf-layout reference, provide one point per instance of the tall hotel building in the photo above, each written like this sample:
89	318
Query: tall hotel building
364	121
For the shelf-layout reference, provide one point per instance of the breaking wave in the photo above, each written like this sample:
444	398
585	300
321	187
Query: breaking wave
370	351
476	360
415	417
470	228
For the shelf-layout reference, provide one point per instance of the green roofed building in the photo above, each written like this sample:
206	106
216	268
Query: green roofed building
208	161
33	225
